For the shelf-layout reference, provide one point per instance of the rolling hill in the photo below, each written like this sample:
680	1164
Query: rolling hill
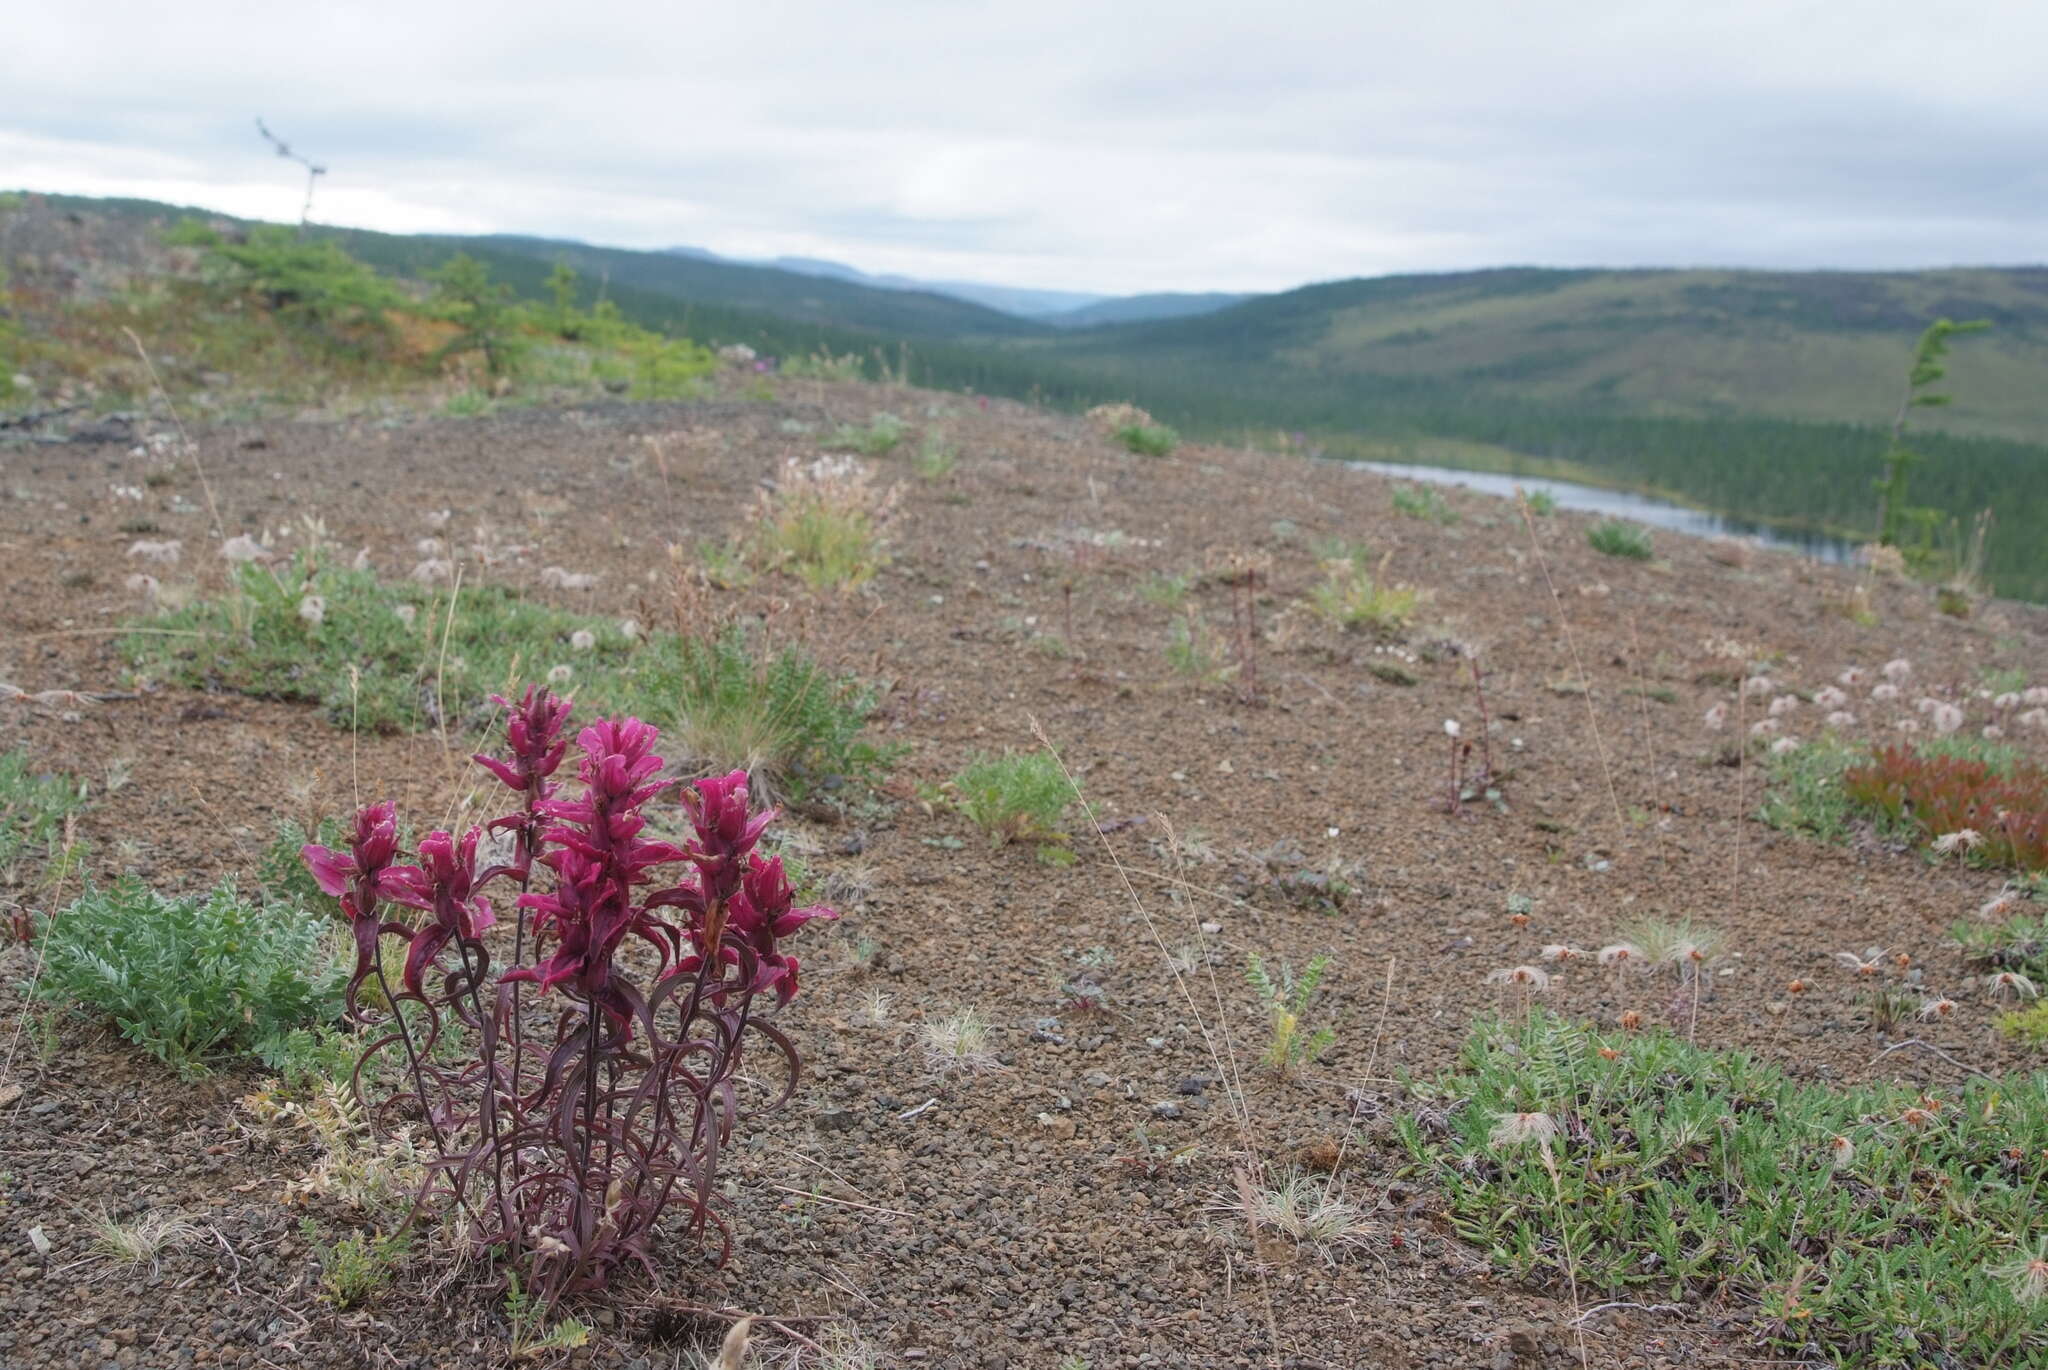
1813	346
1763	394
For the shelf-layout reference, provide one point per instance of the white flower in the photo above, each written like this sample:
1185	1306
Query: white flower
439	518
2001	904
562	579
2009	700
1828	697
1947	718
1841	1151
431	547
146	586
2027	1277
165	552
2010	982
1841	718
1783	704
1519	1129
1757	686
629	629
1451	728
1619	954
242	547
559	675
2034	694
405	613
1561	952
1884	694
1852	678
1529	977
1717	718
1908	725
127	492
362	561
313	609
1763	727
1898	670
2033	718
1784	745
433	569
1992	732
1962	839
1926	704
1937	1008
582	640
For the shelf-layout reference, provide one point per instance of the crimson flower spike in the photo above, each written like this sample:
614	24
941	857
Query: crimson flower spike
361	878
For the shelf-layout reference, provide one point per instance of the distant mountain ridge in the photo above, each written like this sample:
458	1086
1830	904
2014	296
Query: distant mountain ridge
1060	308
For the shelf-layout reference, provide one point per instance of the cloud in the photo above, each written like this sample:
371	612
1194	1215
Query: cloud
1111	146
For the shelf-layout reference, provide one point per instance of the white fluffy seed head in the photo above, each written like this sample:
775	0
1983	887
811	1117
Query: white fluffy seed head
1521	1129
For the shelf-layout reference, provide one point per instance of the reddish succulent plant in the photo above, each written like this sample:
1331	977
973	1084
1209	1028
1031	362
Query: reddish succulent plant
2007	810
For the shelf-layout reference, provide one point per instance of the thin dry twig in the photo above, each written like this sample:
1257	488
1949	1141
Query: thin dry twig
1599	1308
1571	644
220	531
1930	1047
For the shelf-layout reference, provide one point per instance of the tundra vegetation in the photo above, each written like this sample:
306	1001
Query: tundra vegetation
1424	894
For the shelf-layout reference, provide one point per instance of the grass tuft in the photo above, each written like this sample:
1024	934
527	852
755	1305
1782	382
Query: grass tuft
1614	538
1015	797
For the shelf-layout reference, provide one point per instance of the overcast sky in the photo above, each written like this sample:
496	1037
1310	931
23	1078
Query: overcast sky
1086	144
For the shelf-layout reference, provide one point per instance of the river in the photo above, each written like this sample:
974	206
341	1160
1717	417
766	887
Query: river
1623	504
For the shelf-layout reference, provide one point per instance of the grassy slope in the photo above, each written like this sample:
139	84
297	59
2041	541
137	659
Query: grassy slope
1816	346
735	295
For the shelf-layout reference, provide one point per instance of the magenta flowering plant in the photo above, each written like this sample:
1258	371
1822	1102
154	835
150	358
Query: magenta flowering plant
600	1072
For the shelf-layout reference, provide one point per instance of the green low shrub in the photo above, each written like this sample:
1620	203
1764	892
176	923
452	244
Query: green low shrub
193	978
1871	1225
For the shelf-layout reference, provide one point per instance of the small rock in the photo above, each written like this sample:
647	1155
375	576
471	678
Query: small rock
1097	1079
1166	1108
835	1119
1060	1129
1194	1084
